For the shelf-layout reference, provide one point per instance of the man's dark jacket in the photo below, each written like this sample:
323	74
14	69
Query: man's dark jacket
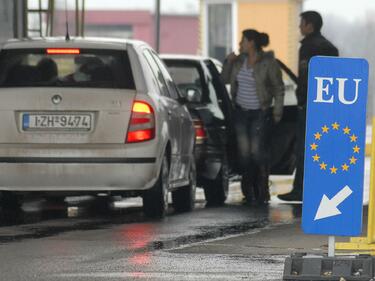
313	44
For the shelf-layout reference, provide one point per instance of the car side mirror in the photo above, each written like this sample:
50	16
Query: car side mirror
193	95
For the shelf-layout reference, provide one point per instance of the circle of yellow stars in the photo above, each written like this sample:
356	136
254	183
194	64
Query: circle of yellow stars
332	169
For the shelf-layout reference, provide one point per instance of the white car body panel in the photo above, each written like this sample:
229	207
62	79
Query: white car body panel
99	159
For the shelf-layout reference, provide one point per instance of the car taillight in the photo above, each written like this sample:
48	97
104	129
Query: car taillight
142	123
200	133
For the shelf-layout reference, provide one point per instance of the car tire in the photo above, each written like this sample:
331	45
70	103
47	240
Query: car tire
155	200
216	191
183	199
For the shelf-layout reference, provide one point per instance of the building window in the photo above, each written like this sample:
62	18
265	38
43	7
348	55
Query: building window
219	30
120	31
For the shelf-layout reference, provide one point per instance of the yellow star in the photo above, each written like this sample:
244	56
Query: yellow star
316	158
325	129
317	136
333	170
313	146
353	160
353	138
356	149
345	167
335	126
323	166
346	130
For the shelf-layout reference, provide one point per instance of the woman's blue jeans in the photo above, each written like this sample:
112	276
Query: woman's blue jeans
252	128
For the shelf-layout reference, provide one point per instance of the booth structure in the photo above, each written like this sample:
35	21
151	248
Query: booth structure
31	18
222	21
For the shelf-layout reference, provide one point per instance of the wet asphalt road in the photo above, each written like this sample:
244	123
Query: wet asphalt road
79	240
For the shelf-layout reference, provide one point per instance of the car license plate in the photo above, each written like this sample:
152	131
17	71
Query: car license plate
57	121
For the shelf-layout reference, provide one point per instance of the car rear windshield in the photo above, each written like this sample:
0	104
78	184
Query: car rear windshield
65	68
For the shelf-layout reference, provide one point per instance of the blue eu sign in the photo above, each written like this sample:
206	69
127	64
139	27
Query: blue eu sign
334	147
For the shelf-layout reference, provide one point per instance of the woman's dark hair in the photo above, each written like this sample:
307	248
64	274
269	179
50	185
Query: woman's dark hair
314	18
260	39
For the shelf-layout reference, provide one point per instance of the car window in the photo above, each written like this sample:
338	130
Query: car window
290	90
167	77
186	76
223	97
215	78
290	84
157	73
85	68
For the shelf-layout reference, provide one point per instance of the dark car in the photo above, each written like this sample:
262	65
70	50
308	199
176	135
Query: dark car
209	104
211	107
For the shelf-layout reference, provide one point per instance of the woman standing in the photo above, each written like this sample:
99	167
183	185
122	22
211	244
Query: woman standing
256	83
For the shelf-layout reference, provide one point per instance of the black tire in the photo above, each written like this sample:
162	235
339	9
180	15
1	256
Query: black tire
216	191
183	199
155	200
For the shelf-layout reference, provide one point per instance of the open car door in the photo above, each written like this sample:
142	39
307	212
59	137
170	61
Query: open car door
283	134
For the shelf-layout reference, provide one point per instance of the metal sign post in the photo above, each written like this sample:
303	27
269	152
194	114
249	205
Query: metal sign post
331	246
157	26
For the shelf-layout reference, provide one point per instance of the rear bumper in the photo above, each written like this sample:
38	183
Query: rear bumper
77	174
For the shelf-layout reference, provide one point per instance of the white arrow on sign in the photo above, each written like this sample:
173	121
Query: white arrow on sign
328	207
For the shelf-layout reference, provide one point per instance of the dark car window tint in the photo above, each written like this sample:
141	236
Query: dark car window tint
220	89
214	84
157	73
215	78
89	68
185	76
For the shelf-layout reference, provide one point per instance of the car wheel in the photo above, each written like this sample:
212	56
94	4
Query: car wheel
184	198
216	191
155	200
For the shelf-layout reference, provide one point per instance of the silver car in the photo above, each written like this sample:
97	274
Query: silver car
89	116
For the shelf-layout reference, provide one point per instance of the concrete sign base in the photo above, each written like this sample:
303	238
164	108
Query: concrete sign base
340	268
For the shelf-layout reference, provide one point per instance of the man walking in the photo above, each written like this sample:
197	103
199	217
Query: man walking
313	44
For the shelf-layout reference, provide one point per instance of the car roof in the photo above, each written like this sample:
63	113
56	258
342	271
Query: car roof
183	57
73	42
188	57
